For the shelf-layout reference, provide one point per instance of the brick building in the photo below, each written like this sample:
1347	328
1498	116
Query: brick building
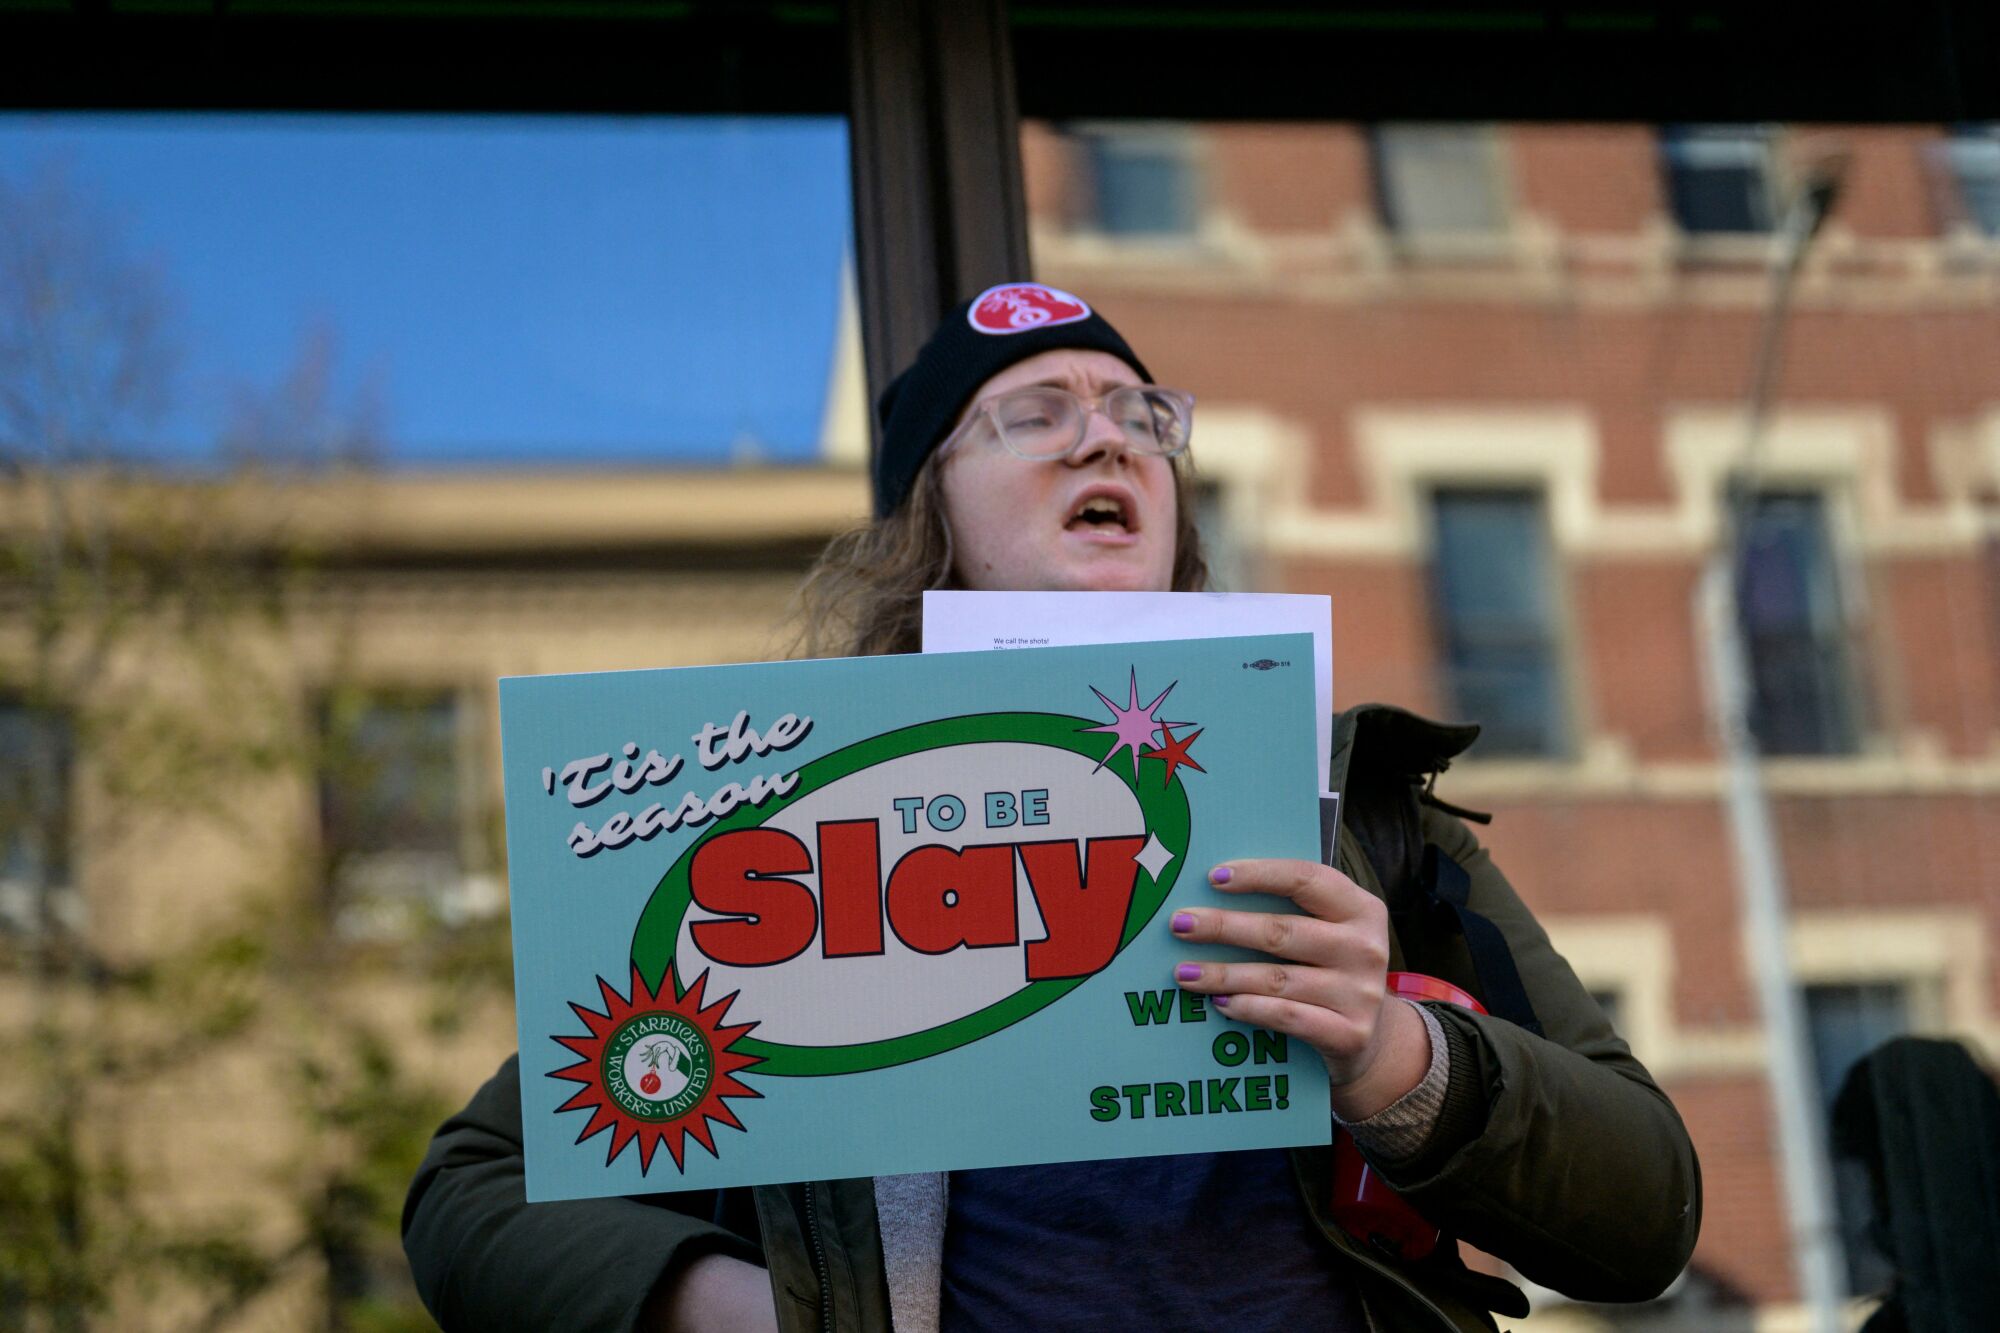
1483	385
1486	386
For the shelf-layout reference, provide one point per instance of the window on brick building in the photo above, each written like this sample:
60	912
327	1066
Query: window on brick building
1440	180
1796	628
1846	1022
1720	178
37	754
1972	160
1144	179
395	810
1494	603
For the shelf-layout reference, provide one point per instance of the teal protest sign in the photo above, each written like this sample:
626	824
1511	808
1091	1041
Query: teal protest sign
805	920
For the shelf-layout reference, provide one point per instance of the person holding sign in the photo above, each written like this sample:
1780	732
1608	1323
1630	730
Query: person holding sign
1028	448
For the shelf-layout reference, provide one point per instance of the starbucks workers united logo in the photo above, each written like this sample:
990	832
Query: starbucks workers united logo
658	1066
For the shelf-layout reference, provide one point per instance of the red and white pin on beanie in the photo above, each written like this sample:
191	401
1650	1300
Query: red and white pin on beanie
1016	307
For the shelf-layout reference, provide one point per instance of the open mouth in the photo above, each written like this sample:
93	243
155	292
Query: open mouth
1100	513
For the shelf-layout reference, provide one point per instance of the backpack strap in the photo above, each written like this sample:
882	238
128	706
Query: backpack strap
1447	887
1385	765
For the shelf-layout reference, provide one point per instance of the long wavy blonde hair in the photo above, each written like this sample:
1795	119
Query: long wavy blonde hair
864	595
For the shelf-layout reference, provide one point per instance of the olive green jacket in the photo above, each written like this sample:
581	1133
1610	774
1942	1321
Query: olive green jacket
1557	1152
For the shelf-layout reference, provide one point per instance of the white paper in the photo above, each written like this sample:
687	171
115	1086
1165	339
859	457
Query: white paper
966	622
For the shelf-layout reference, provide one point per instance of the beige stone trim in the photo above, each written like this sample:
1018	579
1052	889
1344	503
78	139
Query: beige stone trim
529	510
1939	953
1607	770
1403	451
1723	1049
1631	955
1984	460
1262	459
1256	460
1847	451
1532	263
485	511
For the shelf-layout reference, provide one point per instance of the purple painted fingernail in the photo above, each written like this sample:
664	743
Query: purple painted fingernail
1219	875
1219	1001
1183	922
1188	972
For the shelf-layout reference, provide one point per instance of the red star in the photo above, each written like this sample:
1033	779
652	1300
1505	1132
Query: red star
1174	753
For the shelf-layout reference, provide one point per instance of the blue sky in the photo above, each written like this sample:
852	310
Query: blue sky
527	290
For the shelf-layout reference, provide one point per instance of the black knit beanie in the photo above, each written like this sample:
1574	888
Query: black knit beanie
977	341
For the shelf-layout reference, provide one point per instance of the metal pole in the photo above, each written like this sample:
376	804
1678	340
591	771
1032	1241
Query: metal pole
1815	1233
934	153
1817	1252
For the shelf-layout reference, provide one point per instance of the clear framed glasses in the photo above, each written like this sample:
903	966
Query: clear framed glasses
1046	422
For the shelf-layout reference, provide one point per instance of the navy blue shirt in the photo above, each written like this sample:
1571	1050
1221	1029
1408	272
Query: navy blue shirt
1208	1240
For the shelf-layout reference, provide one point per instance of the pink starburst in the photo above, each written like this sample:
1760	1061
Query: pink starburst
1132	725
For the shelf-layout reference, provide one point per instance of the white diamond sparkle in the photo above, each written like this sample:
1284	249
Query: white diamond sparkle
1153	857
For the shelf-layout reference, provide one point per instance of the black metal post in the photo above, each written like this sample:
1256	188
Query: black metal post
934	150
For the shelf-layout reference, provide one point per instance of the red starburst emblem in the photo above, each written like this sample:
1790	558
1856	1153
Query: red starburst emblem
656	1068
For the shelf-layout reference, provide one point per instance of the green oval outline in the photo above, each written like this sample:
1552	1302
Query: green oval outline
1164	809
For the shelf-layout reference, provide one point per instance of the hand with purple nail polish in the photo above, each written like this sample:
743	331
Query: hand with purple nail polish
1325	982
